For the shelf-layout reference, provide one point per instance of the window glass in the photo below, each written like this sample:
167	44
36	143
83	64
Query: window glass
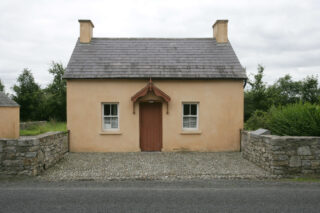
114	109
107	123
107	109
193	109
186	109
114	123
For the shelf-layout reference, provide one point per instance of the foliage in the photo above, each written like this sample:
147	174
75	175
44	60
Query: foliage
48	127
283	92
286	91
30	97
300	119
309	90
286	107
41	104
256	98
56	94
256	121
1	86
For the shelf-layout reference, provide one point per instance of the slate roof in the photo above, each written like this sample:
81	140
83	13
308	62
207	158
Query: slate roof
187	58
6	101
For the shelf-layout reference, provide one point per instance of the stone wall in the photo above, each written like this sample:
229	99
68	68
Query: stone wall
282	155
29	155
29	124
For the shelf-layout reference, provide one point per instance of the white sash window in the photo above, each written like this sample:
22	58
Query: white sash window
110	112
190	116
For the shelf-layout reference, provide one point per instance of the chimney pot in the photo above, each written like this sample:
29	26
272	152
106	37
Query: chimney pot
220	31
86	30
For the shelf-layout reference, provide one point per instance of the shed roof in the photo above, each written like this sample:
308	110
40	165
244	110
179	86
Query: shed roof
6	101
168	58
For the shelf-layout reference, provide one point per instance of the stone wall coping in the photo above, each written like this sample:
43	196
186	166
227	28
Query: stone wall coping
281	137
261	132
42	135
33	137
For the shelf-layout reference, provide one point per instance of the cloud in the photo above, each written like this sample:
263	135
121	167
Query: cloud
282	35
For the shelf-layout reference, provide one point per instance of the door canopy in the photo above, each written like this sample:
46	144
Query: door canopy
150	87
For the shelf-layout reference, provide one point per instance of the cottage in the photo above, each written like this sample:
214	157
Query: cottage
9	117
154	94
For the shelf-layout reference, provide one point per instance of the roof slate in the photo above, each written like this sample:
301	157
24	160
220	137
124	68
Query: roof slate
6	101
187	58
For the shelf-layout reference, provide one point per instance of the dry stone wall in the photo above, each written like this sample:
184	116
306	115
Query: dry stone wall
282	155
30	155
29	124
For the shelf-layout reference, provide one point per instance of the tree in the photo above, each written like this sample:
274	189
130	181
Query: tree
56	93
258	85
1	86
309	90
29	96
284	91
256	97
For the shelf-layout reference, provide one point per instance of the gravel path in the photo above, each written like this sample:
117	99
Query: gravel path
159	166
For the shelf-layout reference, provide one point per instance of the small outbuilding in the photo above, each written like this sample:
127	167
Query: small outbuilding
154	94
9	117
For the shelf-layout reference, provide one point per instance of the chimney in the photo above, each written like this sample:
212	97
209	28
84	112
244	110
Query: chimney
220	31
86	28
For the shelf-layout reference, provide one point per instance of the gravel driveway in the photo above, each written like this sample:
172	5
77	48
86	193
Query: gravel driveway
161	165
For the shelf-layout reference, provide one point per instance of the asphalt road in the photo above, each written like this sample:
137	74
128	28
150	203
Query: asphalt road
155	196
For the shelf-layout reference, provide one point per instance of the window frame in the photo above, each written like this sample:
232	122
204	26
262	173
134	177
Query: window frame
110	116
197	116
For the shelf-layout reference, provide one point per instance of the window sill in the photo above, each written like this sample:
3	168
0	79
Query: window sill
191	132
110	133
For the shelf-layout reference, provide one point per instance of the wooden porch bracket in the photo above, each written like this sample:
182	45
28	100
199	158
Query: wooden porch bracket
150	87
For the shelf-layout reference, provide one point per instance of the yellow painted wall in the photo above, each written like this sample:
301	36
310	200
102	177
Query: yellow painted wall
9	122
220	115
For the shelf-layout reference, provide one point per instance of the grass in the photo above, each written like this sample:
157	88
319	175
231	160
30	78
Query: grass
48	127
314	179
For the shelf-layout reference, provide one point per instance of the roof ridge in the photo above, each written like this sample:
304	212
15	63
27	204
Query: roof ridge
5	101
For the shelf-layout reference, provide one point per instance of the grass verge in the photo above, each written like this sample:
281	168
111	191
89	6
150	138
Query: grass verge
305	179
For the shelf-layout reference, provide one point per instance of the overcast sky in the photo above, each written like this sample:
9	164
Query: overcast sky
282	35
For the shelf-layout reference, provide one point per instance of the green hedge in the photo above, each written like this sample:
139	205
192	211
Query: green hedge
301	119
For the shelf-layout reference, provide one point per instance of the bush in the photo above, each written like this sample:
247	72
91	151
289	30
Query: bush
295	119
300	119
256	121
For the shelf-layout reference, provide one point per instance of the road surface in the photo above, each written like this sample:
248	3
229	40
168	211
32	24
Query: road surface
154	196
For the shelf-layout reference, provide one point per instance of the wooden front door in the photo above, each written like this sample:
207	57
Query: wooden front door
150	126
